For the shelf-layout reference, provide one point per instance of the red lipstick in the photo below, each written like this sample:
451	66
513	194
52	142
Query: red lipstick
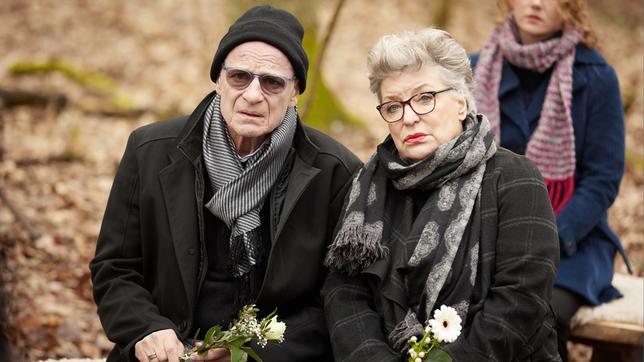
415	137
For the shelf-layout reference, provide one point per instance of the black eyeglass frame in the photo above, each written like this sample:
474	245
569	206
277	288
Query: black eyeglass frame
261	77
408	102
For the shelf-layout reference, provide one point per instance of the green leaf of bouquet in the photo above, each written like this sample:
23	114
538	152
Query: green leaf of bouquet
271	314
235	340
438	355
196	335
237	355
252	353
211	334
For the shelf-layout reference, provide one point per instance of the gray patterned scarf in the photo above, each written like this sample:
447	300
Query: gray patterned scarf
240	188
420	249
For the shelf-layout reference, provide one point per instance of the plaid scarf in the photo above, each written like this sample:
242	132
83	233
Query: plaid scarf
552	145
419	252
240	188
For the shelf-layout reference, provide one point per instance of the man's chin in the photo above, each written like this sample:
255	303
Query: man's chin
252	131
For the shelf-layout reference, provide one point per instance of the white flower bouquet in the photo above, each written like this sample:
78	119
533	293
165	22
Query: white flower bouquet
444	328
241	331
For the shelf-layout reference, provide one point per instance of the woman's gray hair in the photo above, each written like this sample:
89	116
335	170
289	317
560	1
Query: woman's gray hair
410	50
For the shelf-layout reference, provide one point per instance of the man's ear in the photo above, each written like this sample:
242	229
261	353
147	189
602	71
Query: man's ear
294	93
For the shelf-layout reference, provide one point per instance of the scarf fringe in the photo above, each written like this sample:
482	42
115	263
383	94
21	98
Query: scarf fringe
404	330
355	248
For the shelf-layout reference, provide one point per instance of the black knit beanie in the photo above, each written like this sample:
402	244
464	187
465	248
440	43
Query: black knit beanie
276	27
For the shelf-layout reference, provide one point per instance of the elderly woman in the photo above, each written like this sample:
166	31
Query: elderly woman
440	216
539	74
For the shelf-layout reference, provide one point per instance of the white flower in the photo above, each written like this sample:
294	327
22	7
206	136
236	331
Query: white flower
412	353
428	329
275	330
413	339
421	354
446	324
418	360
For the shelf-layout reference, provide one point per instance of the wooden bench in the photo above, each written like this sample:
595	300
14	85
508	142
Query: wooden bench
615	330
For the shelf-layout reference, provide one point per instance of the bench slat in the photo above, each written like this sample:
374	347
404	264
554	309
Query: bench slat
610	331
620	322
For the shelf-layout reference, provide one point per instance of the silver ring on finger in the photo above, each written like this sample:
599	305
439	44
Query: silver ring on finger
152	356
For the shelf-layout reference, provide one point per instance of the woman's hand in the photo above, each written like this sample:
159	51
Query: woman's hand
159	346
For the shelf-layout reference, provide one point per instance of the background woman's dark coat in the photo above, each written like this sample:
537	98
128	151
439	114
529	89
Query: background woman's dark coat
588	245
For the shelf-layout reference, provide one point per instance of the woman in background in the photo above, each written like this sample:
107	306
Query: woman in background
440	216
550	95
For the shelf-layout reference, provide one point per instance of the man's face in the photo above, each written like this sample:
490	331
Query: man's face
253	112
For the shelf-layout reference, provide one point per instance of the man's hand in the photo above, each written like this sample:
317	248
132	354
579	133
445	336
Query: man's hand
159	346
213	355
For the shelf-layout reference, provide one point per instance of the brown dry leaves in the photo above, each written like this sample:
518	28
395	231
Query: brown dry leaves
158	53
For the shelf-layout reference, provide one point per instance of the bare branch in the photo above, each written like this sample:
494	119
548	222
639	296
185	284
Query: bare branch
317	70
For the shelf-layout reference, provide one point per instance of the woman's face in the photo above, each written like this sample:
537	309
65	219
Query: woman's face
537	20
418	136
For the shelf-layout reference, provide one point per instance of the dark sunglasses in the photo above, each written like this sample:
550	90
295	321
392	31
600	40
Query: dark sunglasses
240	79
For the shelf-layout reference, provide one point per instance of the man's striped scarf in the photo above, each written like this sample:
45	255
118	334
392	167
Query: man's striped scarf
552	145
241	188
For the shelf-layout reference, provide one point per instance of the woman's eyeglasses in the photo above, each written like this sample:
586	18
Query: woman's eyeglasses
240	79
421	103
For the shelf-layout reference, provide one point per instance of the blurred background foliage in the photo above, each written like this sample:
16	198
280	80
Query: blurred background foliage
77	76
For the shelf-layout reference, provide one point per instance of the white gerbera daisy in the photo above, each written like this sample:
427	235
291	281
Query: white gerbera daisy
446	324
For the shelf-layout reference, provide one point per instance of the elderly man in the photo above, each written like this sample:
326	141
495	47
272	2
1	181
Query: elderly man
234	204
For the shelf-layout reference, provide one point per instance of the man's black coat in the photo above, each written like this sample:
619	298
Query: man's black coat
150	257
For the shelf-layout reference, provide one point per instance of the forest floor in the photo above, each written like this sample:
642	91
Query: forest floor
57	161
